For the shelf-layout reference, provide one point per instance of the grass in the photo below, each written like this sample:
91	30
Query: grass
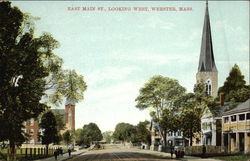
239	157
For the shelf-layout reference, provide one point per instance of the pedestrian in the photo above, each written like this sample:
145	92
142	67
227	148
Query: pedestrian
55	154
69	151
172	151
61	151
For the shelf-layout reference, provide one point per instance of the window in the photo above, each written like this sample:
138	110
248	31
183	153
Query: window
209	87
248	116
233	118
241	117
226	120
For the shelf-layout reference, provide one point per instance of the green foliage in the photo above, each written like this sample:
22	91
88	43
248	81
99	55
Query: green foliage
67	137
60	120
235	86
80	137
108	136
88	134
25	63
69	85
49	128
142	132
192	106
125	132
161	93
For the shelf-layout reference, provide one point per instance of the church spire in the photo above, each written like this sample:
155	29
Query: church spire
206	63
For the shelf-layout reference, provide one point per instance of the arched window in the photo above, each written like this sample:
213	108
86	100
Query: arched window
209	87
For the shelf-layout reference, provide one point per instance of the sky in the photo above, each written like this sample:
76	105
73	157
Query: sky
118	51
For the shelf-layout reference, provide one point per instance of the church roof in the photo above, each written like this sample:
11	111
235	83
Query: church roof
206	63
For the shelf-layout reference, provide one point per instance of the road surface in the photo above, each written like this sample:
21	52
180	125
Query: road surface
121	153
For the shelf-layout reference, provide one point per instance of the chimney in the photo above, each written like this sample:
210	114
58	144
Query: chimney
222	99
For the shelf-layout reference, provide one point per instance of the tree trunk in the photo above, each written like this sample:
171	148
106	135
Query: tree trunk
12	151
191	138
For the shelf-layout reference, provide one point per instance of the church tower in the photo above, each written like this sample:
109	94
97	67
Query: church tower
70	115
207	71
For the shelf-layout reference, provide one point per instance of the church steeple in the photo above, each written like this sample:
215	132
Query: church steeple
206	63
207	71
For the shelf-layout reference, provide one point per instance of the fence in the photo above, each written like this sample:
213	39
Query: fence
210	150
30	153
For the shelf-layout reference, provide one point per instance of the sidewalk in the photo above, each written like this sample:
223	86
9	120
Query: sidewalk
186	158
65	156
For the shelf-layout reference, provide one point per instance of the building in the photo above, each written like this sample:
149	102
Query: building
155	135
70	115
207	71
236	128
211	125
208	74
31	127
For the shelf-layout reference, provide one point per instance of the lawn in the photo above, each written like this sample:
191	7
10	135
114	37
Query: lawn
234	158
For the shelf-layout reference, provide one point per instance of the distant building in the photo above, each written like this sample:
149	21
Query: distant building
31	127
70	115
236	128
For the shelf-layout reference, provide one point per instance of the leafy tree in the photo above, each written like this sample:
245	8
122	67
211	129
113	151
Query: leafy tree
89	134
143	133
29	69
193	106
160	93
125	132
107	136
59	120
235	86
49	129
67	137
69	85
25	63
79	135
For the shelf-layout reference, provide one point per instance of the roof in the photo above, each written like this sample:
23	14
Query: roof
206	62
243	107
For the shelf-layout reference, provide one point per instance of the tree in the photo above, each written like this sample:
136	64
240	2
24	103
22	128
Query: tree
192	106
67	137
159	93
88	134
29	70
125	132
107	136
79	135
69	85
49	129
59	120
235	86
143	133
25	63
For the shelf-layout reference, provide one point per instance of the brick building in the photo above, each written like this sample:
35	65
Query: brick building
31	127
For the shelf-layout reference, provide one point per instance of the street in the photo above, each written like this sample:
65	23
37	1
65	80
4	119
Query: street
121	153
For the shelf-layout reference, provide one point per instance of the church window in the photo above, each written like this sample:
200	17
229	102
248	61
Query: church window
209	87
